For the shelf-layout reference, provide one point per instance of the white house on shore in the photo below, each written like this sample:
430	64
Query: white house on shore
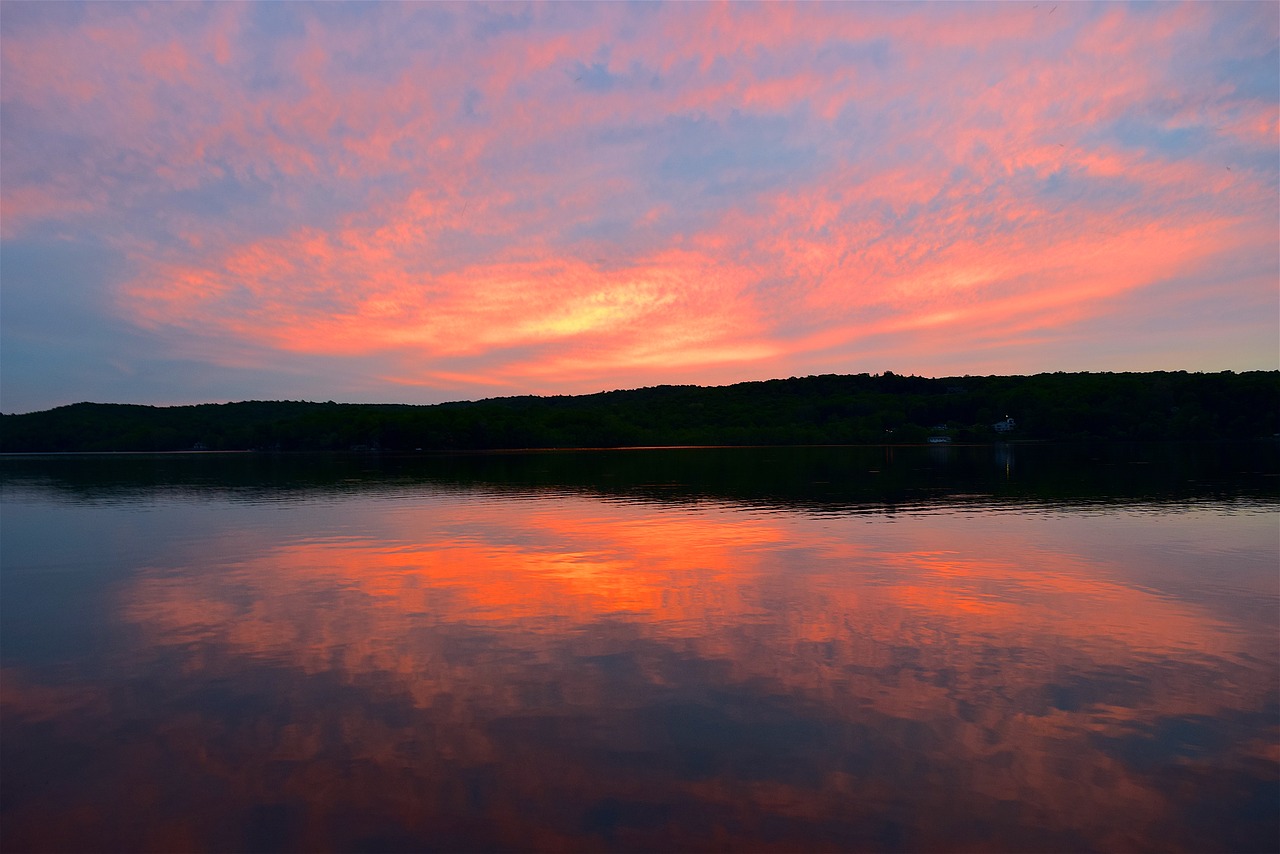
1004	426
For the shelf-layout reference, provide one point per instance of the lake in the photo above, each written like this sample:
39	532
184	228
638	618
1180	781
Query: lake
1018	648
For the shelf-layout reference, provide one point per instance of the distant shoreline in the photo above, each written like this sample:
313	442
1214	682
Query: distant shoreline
558	450
827	410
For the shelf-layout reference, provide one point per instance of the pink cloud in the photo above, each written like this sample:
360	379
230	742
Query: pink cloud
600	195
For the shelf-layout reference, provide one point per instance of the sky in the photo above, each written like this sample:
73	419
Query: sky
412	202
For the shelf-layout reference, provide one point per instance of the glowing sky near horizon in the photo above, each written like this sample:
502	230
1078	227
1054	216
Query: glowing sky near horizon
425	202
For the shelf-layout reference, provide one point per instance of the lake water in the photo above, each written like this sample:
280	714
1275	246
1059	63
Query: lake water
900	649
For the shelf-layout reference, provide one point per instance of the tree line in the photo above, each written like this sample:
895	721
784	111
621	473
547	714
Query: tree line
883	408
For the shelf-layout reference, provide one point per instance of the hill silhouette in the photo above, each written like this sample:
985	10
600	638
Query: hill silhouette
828	409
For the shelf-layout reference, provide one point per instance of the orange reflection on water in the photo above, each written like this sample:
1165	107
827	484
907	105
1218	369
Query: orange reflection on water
570	673
720	584
351	597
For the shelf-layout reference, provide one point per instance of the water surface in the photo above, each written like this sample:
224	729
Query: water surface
1009	648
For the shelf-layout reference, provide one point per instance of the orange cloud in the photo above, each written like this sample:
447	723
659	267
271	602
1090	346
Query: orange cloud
587	197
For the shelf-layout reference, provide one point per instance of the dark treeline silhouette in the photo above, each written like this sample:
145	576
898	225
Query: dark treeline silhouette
830	409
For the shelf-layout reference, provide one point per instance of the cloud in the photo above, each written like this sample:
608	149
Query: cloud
564	198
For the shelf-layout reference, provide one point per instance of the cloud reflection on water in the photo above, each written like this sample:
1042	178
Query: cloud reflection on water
457	671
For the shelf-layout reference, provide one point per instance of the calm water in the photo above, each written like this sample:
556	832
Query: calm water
1028	648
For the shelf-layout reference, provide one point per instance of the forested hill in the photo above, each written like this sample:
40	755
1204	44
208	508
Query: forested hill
829	409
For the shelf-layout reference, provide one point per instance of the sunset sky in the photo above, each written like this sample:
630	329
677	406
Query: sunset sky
423	202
